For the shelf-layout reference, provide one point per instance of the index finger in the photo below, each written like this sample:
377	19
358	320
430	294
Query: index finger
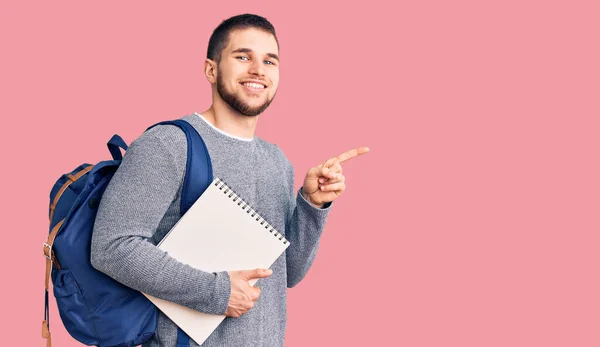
348	155
351	154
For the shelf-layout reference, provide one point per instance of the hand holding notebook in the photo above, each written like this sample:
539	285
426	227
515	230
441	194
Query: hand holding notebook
220	232
243	296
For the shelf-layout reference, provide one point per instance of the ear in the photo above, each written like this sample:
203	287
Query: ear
210	71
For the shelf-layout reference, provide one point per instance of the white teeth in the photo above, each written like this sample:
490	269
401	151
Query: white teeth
254	85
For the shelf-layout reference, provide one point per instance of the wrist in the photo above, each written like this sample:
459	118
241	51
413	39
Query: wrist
310	201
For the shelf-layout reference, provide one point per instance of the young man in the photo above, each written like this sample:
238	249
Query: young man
141	203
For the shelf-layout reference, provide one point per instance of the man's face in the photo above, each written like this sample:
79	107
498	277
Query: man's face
248	73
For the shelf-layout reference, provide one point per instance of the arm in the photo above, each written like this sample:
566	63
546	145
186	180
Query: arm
130	211
322	185
304	227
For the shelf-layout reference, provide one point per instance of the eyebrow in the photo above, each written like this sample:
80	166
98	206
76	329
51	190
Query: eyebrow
248	50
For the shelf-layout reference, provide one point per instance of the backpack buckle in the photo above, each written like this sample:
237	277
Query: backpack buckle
48	255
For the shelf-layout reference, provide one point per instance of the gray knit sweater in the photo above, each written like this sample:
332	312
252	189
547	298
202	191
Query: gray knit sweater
141	204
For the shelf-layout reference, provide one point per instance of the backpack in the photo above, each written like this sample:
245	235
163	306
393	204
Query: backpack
95	309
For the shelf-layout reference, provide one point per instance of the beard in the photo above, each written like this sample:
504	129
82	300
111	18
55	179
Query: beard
236	103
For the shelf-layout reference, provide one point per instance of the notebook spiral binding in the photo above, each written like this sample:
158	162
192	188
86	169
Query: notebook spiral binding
222	185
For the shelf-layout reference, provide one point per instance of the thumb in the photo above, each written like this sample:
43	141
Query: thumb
259	273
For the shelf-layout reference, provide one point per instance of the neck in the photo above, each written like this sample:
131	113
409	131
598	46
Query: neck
223	117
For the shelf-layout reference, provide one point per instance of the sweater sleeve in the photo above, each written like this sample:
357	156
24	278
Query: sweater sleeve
303	229
131	208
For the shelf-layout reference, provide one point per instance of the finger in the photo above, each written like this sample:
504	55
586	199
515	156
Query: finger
336	167
352	153
330	162
314	173
338	178
258	273
341	186
255	294
326	173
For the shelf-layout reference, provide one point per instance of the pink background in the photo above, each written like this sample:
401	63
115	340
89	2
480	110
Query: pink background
474	221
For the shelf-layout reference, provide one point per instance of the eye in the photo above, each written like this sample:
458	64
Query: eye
269	62
243	57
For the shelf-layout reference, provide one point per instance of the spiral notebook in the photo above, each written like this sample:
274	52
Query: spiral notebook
219	232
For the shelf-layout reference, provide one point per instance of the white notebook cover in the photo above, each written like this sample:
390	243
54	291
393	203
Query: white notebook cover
216	234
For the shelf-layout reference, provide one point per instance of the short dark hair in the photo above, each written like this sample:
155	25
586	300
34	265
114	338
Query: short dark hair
220	36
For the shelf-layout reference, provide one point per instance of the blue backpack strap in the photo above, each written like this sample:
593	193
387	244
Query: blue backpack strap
198	166
182	339
114	144
198	177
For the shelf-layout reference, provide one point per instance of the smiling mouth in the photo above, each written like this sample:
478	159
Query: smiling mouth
255	87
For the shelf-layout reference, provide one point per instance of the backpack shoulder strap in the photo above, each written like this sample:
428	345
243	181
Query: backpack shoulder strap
198	168
198	176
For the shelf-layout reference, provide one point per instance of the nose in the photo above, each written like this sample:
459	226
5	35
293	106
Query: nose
257	68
